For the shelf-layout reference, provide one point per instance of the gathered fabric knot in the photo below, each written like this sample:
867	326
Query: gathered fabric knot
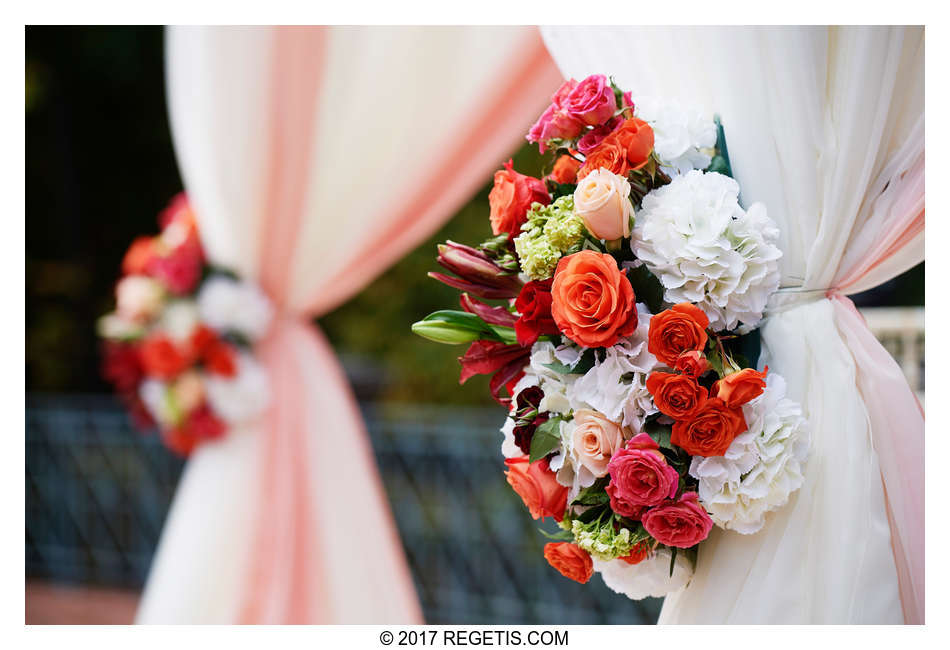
786	298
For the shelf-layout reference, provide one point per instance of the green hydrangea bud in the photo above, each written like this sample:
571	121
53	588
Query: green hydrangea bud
547	235
601	540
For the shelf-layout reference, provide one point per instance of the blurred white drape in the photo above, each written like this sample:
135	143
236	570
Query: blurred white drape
826	127
314	158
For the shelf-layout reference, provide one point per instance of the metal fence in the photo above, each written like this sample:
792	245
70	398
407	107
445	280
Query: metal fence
98	491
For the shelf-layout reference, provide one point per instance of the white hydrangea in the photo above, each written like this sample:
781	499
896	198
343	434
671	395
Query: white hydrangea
179	320
242	397
509	448
681	134
616	385
155	398
762	466
229	305
568	470
707	250
649	578
555	385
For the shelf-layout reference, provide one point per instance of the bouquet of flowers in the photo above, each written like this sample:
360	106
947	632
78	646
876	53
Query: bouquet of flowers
615	309
178	347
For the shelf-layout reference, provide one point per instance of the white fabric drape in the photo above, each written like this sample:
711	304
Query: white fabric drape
314	158
825	126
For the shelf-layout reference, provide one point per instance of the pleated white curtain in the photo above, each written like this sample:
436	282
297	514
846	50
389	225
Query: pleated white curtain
314	158
825	126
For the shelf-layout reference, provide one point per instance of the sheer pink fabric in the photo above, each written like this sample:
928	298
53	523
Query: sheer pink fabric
896	418
324	546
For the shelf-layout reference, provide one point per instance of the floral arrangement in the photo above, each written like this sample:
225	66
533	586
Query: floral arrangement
178	347
615	309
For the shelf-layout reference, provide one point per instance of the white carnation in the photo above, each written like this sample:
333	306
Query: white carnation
229	305
649	578
566	465
509	448
616	385
680	134
707	250
762	466
555	385
242	397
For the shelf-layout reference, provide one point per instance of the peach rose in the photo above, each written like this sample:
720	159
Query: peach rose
593	303
595	439
711	430
678	396
138	297
537	486
740	387
602	200
679	329
188	391
570	560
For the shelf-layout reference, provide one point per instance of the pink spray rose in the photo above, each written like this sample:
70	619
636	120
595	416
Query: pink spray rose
595	136
592	101
556	121
640	476
681	524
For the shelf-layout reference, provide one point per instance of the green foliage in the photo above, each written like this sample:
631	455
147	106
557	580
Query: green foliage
546	438
647	288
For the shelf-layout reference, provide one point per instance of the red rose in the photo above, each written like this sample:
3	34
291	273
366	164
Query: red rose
740	387
220	359
710	431
161	358
180	270
570	560
682	524
679	329
534	305
511	198
538	488
692	364
121	365
200	425
678	396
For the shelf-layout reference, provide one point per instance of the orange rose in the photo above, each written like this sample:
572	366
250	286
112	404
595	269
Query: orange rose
711	430
609	155
538	488
678	396
638	553
740	387
570	559
139	255
565	170
592	301
692	364
681	328
511	198
635	137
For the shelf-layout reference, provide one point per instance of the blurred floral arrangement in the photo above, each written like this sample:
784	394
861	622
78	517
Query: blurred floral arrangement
624	290
179	346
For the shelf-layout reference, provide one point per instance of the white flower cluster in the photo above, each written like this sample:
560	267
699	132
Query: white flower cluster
616	385
762	466
229	305
681	135
649	578
705	249
244	396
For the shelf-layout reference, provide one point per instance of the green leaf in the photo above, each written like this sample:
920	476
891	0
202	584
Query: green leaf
591	514
647	288
558	190
593	495
659	432
746	348
546	438
562	535
585	363
505	334
461	319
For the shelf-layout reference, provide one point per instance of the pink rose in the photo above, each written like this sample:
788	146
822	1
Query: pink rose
592	101
595	136
640	476
556	122
681	524
596	439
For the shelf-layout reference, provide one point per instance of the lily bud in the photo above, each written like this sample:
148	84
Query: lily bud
476	270
443	332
